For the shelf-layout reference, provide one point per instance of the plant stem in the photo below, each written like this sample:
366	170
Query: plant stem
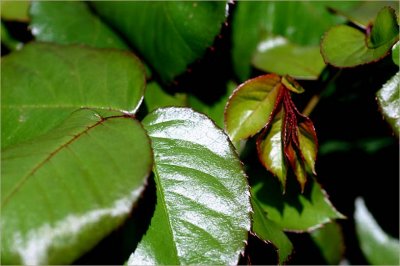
327	78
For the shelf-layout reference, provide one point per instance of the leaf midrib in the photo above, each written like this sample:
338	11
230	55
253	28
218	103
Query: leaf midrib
164	208
74	138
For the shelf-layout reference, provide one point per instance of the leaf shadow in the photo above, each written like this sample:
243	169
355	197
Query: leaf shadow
116	248
271	194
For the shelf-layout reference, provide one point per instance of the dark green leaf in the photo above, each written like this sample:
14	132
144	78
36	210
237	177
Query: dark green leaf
378	247
250	106
389	102
156	97
216	110
168	34
329	240
279	56
293	211
344	46
268	231
263	21
15	10
43	83
62	192
71	22
203	207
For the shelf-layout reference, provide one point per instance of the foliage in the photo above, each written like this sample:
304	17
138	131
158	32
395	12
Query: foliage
113	126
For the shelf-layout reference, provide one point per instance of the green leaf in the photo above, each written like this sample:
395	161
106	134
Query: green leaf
250	106
64	191
258	23
378	247
270	148
203	206
15	10
216	110
293	211
278	56
43	83
169	35
389	102
268	231
156	97
344	46
329	240
364	12
396	53
71	23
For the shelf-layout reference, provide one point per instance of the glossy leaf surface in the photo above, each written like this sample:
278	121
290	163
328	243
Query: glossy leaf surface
250	106
156	97
293	211
329	240
281	57
268	231
71	22
257	22
378	247
15	10
169	35
203	207
389	102
43	83
344	46
62	192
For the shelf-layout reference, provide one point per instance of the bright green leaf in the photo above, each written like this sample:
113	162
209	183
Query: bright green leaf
203	207
268	231
293	211
156	97
396	53
329	240
378	247
257	23
64	191
278	56
169	35
43	83
71	22
250	106
345	46
270	149
216	110
15	10
389	102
